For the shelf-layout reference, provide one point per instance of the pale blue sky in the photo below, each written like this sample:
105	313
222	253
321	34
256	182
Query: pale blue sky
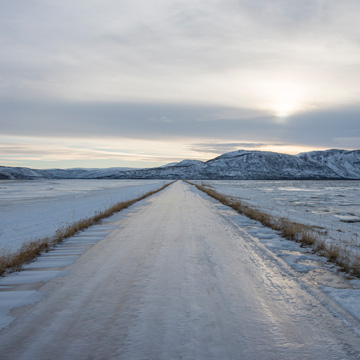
118	83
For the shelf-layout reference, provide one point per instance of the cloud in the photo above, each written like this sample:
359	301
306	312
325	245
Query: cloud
50	154
221	148
351	142
199	72
134	120
325	127
224	52
154	121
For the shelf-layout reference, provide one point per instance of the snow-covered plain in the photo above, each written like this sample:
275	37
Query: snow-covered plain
180	276
331	206
35	209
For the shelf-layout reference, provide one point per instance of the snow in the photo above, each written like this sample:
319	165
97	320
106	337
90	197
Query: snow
13	173
342	162
28	277
46	267
348	298
180	276
331	206
240	164
13	299
31	209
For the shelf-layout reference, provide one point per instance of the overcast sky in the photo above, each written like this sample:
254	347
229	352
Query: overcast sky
139	83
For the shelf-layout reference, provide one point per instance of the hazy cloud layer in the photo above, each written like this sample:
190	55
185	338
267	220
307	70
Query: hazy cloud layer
226	72
217	148
159	121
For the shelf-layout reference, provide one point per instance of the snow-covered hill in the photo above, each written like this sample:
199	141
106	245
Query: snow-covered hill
342	162
241	164
14	173
266	165
21	173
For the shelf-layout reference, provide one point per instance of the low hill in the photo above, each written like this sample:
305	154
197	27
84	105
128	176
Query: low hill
240	164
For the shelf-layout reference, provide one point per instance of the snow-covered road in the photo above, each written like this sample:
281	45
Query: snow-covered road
176	279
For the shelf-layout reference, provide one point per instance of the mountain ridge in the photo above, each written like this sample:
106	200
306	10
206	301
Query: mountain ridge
334	164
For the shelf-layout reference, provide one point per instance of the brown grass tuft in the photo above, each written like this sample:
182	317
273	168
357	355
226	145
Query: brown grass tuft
333	253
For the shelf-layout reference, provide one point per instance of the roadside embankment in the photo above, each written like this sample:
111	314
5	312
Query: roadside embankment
307	235
13	261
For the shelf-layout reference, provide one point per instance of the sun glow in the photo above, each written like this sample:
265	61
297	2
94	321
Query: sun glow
287	101
283	110
284	97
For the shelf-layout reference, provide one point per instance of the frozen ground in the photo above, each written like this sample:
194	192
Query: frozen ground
333	206
30	210
179	276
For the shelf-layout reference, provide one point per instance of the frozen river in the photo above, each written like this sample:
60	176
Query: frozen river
30	210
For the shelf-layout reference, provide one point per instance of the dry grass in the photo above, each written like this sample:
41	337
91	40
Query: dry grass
356	267
333	253
305	234
26	253
320	246
29	251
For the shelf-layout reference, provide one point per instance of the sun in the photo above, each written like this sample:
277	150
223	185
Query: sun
286	100
284	109
284	97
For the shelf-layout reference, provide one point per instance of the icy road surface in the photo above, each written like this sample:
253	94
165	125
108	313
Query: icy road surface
176	279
